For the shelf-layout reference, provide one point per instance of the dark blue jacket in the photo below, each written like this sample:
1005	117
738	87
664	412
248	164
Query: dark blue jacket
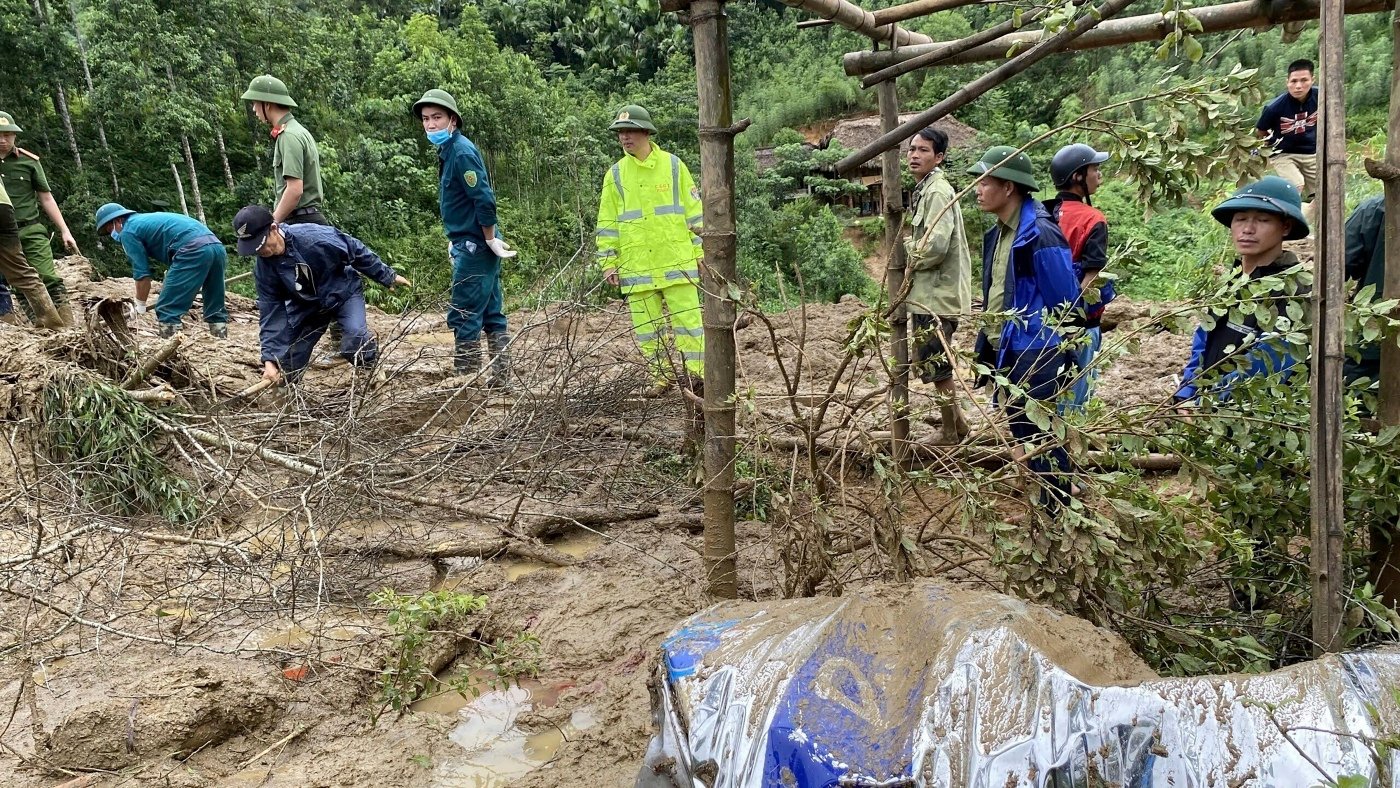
464	190
1260	350
1040	281
317	273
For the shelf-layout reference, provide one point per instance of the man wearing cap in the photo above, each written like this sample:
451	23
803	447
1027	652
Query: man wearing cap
1027	271
308	276
1261	216
194	257
296	162
648	239
20	274
468	208
29	191
1075	171
1289	124
940	288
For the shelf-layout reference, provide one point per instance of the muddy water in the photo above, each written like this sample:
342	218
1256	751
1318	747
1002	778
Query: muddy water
494	749
577	545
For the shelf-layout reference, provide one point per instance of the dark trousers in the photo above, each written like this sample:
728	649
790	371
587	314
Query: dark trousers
358	345
1041	374
477	301
931	357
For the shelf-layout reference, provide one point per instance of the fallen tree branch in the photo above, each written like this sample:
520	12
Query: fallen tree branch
145	368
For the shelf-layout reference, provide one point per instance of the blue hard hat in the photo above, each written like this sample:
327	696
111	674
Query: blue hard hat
1270	194
111	211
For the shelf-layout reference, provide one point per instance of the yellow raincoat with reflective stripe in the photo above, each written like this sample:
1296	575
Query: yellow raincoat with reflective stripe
649	218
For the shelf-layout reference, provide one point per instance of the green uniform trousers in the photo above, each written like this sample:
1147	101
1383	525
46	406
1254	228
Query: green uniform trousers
37	249
687	331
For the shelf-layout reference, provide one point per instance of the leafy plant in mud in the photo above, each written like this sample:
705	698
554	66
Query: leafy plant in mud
415	620
105	441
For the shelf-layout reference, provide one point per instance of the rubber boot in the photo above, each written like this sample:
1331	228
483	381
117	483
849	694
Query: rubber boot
168	330
466	359
38	304
61	302
12	318
499	376
218	330
955	426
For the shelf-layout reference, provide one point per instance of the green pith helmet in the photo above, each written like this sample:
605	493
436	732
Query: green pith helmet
109	213
437	97
633	116
270	89
7	123
1017	169
1270	194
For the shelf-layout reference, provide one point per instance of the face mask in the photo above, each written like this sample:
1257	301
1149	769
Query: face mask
116	235
439	137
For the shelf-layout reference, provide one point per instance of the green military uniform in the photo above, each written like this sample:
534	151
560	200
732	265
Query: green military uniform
19	273
294	155
25	180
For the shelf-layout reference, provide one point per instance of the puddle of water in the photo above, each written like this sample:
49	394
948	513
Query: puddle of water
496	751
576	545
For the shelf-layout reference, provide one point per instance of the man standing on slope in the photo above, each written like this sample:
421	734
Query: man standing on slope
648	239
194	257
940	290
1289	124
29	191
468	209
1028	279
1075	170
19	273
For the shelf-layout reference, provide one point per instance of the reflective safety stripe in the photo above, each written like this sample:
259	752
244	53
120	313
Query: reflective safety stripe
690	332
692	274
617	181
666	210
697	356
631	281
627	216
675	208
696	241
607	233
607	253
695	221
648	336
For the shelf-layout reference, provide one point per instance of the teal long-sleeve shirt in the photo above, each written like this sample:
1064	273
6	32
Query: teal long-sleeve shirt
159	236
466	200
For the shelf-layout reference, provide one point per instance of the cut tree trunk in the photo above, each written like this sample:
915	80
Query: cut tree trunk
180	188
223	157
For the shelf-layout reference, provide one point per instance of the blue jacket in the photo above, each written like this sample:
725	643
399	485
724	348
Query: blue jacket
1039	281
1263	353
317	273
159	236
465	198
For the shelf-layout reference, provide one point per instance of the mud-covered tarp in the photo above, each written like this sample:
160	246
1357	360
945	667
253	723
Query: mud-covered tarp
933	685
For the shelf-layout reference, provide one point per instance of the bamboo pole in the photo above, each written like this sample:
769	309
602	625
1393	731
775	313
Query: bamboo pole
719	273
1385	546
1116	32
856	19
917	8
967	93
893	193
1329	299
938	55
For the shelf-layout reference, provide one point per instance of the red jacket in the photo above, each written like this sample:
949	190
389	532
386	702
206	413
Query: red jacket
1086	230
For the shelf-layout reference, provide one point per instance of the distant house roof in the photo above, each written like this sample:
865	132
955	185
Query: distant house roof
856	133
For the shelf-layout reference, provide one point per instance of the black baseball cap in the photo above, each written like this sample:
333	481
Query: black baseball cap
251	225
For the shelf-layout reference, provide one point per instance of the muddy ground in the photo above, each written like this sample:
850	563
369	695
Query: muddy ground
241	648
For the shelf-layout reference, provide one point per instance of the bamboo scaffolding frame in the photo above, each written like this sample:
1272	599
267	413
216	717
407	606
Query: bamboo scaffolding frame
1115	32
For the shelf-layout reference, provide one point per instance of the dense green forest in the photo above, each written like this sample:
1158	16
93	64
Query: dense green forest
123	98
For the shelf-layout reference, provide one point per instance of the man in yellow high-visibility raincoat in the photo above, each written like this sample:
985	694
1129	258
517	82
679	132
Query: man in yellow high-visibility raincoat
648	239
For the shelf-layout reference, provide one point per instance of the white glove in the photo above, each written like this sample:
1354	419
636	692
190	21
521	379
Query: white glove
501	248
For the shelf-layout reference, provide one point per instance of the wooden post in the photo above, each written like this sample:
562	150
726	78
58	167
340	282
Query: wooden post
892	188
1115	32
969	92
1385	543
718	274
1329	299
